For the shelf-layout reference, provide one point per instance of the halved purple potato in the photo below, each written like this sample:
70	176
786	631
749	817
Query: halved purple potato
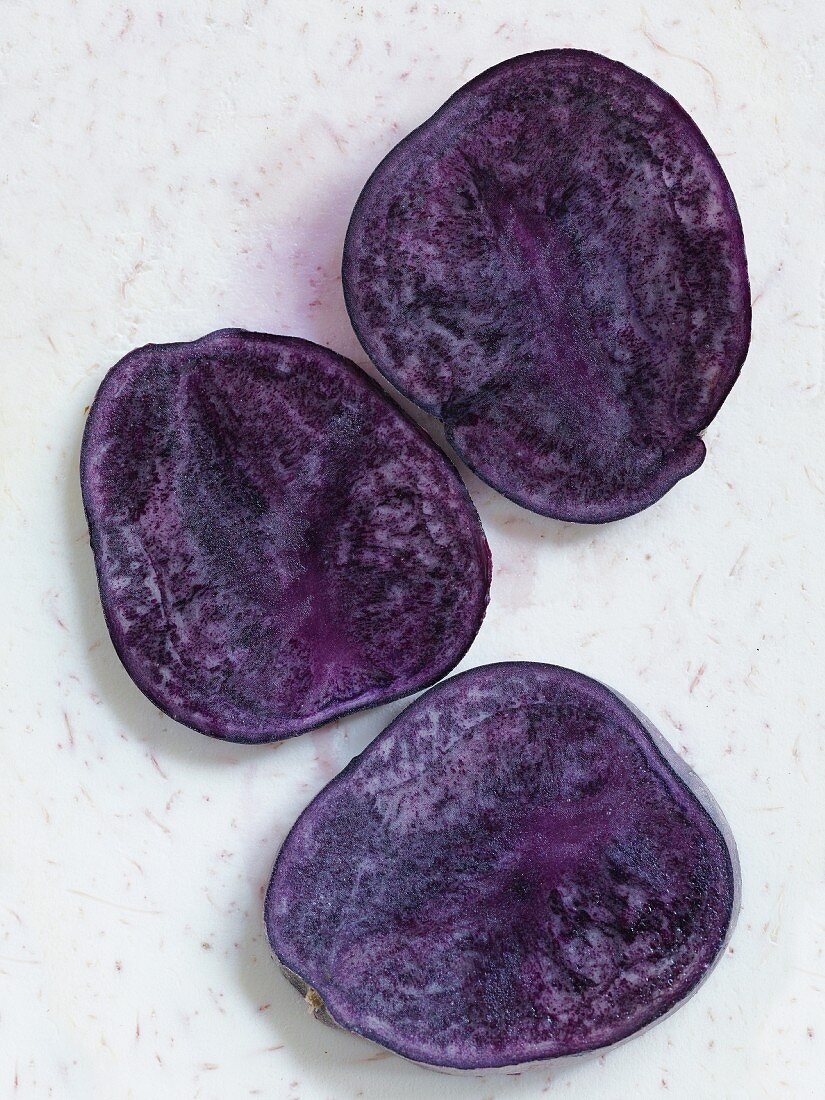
276	543
553	265
518	868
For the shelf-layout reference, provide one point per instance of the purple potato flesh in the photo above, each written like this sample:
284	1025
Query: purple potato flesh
517	869
553	265
276	543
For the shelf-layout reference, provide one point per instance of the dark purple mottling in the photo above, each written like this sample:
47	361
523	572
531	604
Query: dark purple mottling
553	265
517	869
276	543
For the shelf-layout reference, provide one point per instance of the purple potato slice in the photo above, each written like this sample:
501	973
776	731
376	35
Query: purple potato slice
277	544
553	265
518	868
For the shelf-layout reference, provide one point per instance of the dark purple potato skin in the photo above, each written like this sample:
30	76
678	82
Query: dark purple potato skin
276	543
553	265
517	869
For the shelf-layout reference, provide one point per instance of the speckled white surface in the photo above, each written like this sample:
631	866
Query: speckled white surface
165	174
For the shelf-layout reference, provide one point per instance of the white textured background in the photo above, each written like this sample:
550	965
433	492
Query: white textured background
168	169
